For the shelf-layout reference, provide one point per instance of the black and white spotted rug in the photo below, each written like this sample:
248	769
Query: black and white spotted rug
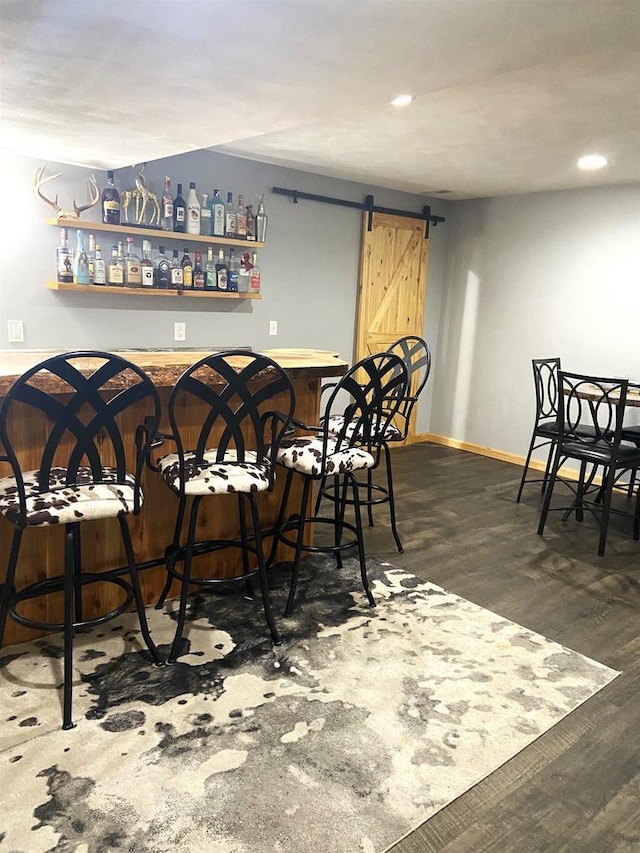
355	730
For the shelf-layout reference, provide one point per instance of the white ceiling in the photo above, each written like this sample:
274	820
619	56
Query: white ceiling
508	93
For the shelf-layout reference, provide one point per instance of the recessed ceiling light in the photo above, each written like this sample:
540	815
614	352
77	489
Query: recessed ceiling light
402	101
592	161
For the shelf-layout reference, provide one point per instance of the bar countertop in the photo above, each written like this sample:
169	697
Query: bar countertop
165	366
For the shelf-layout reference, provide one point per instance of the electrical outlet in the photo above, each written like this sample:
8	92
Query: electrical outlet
273	327
179	331
16	331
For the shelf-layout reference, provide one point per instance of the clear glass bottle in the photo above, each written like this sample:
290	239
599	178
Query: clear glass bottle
241	219
243	273
176	272
233	266
64	258
91	257
99	269
221	272
132	269
80	261
251	223
110	202
147	267
163	270
205	216
217	215
193	210
198	272
166	206
187	270
211	278
115	269
229	217
254	274
179	212
261	221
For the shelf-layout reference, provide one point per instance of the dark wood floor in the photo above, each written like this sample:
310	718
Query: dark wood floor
577	788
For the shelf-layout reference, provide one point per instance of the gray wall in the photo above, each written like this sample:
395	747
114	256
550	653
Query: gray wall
535	276
309	268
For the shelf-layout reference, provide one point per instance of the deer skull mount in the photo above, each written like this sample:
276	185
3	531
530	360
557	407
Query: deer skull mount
94	195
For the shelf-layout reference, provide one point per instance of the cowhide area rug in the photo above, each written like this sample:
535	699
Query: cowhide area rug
355	730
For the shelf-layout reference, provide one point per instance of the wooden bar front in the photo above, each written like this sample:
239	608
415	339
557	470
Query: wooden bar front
41	554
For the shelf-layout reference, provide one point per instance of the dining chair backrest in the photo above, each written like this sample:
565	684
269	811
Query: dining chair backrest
546	383
595	402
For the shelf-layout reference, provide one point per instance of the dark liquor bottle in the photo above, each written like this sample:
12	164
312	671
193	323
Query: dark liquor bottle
166	206
217	215
65	261
211	277
233	266
179	212
251	223
241	219
230	217
198	273
221	272
187	270
163	270
176	272
110	202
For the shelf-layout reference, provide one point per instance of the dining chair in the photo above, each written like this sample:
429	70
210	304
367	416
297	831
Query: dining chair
245	403
598	402
79	407
545	425
376	388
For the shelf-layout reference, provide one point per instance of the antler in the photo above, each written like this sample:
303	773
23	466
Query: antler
94	195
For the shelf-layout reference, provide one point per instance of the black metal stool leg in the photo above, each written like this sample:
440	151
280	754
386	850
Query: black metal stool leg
264	583
339	509
280	518
176	544
186	575
70	570
299	535
370	496
392	503
360	537
244	538
319	495
7	586
77	562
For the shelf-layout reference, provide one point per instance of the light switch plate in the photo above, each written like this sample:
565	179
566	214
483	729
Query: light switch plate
273	327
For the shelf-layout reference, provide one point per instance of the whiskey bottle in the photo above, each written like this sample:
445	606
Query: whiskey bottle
163	270
233	267
176	272
251	223
110	202
217	215
221	272
205	216
99	271
91	257
179	212
241	219
211	278
166	206
198	273
80	261
132	270
261	221
193	210
229	217
147	267
115	269
65	261
254	277
187	270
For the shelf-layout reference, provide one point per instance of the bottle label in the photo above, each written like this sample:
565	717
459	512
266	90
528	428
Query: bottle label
98	272
222	279
147	276
211	281
198	281
179	214
187	276
254	283
115	274
168	210
65	268
230	223
176	276
134	274
111	205
218	220
242	225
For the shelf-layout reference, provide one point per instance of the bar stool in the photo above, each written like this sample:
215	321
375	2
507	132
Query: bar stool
245	403
77	405
376	386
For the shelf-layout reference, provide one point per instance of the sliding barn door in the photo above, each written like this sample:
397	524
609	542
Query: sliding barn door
393	276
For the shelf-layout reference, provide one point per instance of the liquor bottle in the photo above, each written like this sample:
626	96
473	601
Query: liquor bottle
179	212
147	267
229	217
211	277
217	215
261	221
120	254
110	202
163	270
193	210
243	274
176	272
198	273
115	269
251	223
241	219
205	216
80	261
233	266
254	277
91	257
187	270
132	270
166	207
221	271
65	261
99	271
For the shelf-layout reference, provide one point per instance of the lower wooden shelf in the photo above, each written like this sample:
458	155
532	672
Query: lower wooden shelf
148	291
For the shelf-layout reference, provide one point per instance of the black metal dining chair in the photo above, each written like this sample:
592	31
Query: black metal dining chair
77	404
545	425
376	388
247	402
599	403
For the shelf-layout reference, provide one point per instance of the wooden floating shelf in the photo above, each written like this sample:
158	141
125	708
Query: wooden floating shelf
144	233
148	291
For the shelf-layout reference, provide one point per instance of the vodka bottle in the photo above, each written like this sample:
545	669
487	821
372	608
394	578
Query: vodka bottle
198	273
221	272
241	219
176	272
233	265
254	274
132	269
179	212
193	210
261	221
230	221
166	207
163	270
217	215
110	202
147	267
187	270
205	216
65	261
80	261
211	278
115	269
99	271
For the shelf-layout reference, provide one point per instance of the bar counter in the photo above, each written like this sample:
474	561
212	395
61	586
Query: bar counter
42	548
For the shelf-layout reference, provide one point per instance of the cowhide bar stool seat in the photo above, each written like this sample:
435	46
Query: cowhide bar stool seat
76	405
